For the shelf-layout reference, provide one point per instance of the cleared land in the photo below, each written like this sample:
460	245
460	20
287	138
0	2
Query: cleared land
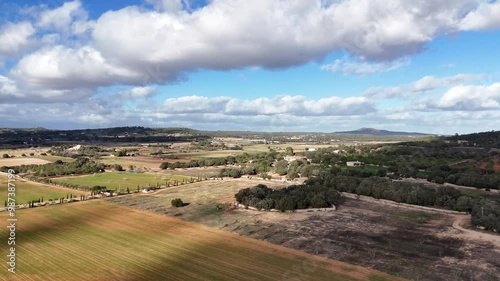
121	180
414	244
138	162
18	161
27	191
97	240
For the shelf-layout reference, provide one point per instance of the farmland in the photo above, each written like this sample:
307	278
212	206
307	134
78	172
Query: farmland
28	191
97	240
121	180
362	233
22	161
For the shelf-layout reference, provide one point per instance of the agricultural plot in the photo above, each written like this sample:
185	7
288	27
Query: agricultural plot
18	161
98	240
138	162
368	234
122	180
28	191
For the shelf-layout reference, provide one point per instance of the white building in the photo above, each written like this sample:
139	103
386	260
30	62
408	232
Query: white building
354	163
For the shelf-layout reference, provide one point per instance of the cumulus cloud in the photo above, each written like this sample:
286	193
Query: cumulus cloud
424	84
486	16
8	88
470	98
66	68
125	45
292	105
15	37
63	17
359	67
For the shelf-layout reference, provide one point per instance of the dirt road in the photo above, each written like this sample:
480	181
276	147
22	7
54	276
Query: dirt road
468	234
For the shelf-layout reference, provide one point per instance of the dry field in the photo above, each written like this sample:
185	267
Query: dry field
414	244
98	240
18	161
139	162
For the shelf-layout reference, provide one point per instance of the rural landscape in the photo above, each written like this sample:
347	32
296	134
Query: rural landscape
287	206
287	140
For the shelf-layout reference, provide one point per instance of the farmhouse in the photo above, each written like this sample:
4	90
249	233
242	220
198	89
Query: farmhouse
354	163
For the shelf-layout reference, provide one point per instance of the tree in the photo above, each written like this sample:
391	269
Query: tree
120	153
289	150
281	167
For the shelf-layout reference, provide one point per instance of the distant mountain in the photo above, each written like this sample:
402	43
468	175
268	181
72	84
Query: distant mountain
376	132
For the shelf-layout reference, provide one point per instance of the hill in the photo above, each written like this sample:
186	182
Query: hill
376	132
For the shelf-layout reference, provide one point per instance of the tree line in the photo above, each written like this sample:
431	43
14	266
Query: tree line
59	168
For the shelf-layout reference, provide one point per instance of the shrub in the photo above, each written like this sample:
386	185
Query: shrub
177	202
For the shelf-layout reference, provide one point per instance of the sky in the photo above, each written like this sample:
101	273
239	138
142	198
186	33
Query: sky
261	65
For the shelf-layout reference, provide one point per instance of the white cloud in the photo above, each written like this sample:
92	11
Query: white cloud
66	68
470	98
61	18
417	88
125	45
359	67
139	92
292	105
8	88
485	17
15	37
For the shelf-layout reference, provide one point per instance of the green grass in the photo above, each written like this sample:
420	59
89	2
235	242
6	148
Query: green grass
26	191
97	240
121	180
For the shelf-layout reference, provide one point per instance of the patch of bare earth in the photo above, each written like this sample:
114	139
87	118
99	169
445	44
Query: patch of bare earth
22	161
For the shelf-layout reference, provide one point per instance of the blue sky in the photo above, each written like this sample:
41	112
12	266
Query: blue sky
302	65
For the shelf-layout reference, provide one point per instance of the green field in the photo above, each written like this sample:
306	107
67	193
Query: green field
98	240
121	180
28	191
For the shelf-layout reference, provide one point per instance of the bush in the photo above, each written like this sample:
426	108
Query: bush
5	155
118	168
177	202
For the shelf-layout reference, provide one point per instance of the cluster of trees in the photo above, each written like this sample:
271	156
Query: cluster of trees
231	172
89	151
485	212
288	199
60	168
263	159
463	160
